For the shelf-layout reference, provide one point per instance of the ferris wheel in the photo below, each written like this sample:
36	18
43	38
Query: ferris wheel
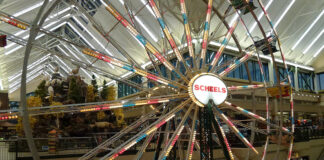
197	99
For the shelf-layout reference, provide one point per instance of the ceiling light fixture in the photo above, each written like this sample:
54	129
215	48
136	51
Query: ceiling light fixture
28	75
24	31
81	54
75	30
146	29
39	61
284	13
318	51
111	82
64	64
27	9
39	36
28	80
313	42
69	51
62	50
75	57
288	63
227	46
79	34
142	24
86	73
85	28
148	7
266	57
126	74
104	3
308	29
51	69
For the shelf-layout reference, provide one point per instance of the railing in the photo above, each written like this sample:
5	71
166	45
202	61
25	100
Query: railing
77	146
303	134
65	146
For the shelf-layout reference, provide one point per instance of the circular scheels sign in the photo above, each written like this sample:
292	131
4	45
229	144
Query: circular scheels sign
206	86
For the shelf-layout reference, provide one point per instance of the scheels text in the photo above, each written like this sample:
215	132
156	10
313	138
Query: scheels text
209	88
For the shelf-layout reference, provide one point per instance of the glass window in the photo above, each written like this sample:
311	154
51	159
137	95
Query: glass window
320	79
241	72
124	89
283	75
306	81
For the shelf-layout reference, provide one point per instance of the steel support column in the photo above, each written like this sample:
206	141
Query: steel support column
33	33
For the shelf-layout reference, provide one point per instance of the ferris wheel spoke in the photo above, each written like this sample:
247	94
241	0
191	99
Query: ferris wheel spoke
123	104
237	122
226	147
101	31
145	132
144	146
267	40
260	26
114	138
290	147
223	45
264	154
144	42
197	145
237	63
133	69
285	65
222	18
168	35
140	93
234	129
206	33
92	107
188	33
175	135
253	86
276	34
192	137
254	116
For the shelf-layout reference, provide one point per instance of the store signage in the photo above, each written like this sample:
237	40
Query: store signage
207	86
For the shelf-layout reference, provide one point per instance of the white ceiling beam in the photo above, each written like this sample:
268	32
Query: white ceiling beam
308	29
313	42
31	66
55	26
85	39
28	80
48	19
318	51
284	13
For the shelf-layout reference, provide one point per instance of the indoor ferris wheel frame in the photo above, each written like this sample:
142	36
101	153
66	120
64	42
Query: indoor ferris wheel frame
195	67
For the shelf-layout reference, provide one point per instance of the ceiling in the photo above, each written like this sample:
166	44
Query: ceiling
298	23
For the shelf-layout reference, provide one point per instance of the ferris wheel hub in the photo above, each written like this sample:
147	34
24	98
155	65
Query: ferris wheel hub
206	86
